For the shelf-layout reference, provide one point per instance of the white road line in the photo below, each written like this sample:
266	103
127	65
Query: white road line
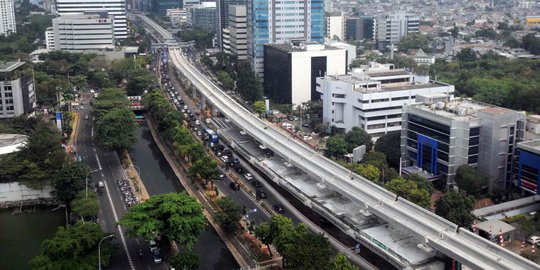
92	133
122	238
98	163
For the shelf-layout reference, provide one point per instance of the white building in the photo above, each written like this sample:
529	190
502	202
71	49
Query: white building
290	70
178	16
17	93
49	38
422	58
238	31
351	49
83	32
391	28
335	26
372	97
7	17
116	8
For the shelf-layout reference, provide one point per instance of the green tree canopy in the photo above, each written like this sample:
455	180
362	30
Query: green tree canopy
531	43
226	80
175	216
116	129
187	260
488	33
340	262
82	206
264	233
229	214
357	137
74	247
389	145
466	55
336	146
456	207
259	106
415	41
69	181
470	180
409	190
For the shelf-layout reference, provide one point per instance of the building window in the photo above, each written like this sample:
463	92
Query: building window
377	126
338	95
8	94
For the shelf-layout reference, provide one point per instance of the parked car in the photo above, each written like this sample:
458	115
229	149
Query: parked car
534	240
256	184
239	169
260	194
153	245
157	256
279	208
248	176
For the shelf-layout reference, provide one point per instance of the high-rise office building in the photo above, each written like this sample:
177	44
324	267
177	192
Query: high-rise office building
291	70
203	16
391	28
238	31
83	32
279	21
49	38
335	26
440	135
17	93
161	6
527	171
358	28
116	8
223	15
7	17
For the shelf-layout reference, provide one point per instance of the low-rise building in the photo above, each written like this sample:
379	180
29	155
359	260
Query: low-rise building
351	49
290	70
178	16
372	97
17	92
90	31
203	16
439	135
527	171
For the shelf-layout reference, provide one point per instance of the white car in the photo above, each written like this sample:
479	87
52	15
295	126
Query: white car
225	159
197	122
535	240
248	176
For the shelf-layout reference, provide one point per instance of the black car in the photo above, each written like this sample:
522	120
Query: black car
279	208
260	194
234	186
256	184
239	169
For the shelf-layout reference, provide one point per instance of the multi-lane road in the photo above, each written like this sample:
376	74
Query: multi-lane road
112	205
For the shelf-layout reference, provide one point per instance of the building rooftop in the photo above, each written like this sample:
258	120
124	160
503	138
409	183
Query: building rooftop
531	145
303	47
10	143
495	226
10	66
459	109
370	83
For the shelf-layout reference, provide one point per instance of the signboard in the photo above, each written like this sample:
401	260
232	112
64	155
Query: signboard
59	120
381	245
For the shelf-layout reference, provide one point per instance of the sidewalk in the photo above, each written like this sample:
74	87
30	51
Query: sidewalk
194	192
135	179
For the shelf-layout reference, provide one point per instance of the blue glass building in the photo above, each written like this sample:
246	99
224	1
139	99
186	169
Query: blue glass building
279	21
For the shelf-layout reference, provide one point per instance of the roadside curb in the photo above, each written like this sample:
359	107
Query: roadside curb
135	178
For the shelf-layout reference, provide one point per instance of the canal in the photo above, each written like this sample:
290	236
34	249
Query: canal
21	234
158	177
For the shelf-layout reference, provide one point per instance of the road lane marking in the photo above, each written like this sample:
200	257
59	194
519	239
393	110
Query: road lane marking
122	238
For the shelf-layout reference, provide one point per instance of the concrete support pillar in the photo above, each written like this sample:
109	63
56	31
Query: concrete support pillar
202	104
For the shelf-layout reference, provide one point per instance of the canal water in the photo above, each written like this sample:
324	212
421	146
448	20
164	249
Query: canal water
158	178
21	235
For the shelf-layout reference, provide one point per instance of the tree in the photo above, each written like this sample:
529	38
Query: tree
456	207
69	181
421	182
389	144
307	250
368	171
187	260
259	106
229	214
336	146
248	84
340	262
415	41
116	129
265	235
410	191
357	137
196	151
226	80
74	247
138	80
173	216
470	180
82	206
466	55
454	31
488	33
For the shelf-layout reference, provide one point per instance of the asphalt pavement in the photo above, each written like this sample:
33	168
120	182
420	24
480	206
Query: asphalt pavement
112	205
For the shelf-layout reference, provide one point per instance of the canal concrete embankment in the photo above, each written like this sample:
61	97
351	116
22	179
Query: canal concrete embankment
194	192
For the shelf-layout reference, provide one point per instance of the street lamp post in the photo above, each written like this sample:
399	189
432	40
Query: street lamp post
99	249
86	181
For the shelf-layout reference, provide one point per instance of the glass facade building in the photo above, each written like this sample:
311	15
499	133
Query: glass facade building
279	21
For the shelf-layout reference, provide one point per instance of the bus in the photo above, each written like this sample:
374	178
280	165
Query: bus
211	135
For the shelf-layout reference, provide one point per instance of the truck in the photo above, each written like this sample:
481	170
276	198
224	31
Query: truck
211	135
